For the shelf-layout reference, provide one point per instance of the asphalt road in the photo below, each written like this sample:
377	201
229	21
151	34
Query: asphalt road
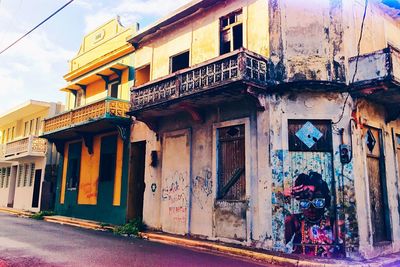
27	242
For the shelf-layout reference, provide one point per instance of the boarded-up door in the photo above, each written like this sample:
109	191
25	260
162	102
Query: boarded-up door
377	185
175	181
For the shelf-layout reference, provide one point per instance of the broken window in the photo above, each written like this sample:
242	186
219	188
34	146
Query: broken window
231	163
231	32
179	62
113	89
142	75
108	157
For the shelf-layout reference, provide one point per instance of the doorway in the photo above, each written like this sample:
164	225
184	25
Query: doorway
11	194
377	185
36	189
136	181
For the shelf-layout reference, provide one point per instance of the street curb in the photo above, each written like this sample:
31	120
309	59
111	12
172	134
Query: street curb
92	225
258	256
17	212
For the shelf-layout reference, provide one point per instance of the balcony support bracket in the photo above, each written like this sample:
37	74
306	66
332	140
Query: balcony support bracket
124	133
59	146
194	112
254	96
88	141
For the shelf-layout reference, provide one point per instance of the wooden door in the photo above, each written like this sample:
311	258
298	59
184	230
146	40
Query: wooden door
175	181
377	185
136	182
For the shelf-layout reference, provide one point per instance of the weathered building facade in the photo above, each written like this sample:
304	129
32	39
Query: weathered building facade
255	126
24	158
92	134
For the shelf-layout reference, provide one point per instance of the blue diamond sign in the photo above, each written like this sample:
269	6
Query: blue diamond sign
309	134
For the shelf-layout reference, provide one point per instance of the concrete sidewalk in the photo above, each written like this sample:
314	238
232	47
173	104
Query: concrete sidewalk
238	251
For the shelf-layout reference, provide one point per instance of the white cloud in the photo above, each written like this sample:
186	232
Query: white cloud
132	11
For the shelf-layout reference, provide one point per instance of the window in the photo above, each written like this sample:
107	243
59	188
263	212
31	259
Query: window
12	133
31	127
3	137
26	174
2	177
231	32
108	157
26	129
113	89
179	62
8	176
310	135
231	163
74	165
20	174
142	75
32	174
78	98
38	122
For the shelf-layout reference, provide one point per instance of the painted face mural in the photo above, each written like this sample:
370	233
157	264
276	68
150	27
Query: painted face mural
311	231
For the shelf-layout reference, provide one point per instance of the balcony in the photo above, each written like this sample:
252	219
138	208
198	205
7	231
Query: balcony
226	75
27	146
377	77
91	118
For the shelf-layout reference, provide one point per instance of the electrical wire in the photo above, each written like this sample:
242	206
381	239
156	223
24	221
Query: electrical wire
357	59
34	28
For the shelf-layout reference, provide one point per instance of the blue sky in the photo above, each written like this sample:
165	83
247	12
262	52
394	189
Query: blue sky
33	69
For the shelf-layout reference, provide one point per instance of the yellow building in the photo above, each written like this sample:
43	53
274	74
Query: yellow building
24	157
93	133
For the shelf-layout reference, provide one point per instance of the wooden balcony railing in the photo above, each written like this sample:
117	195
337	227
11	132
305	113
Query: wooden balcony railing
26	146
109	107
379	65
238	65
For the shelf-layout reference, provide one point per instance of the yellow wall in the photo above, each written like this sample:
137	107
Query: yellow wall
200	35
64	174
118	173
96	91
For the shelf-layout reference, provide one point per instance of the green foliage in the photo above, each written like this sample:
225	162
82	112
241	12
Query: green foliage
130	229
41	214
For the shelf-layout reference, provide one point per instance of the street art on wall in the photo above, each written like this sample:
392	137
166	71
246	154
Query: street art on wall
310	230
313	210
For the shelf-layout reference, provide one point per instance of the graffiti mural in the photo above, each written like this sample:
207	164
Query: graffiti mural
313	201
202	187
310	231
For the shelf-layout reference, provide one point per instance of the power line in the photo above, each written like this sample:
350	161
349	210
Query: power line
357	59
37	26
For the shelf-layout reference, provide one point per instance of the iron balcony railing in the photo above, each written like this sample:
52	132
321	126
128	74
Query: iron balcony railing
379	65
27	146
240	65
105	108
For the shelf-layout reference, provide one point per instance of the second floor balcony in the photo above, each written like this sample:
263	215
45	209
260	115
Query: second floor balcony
94	117
377	77
222	75
24	147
